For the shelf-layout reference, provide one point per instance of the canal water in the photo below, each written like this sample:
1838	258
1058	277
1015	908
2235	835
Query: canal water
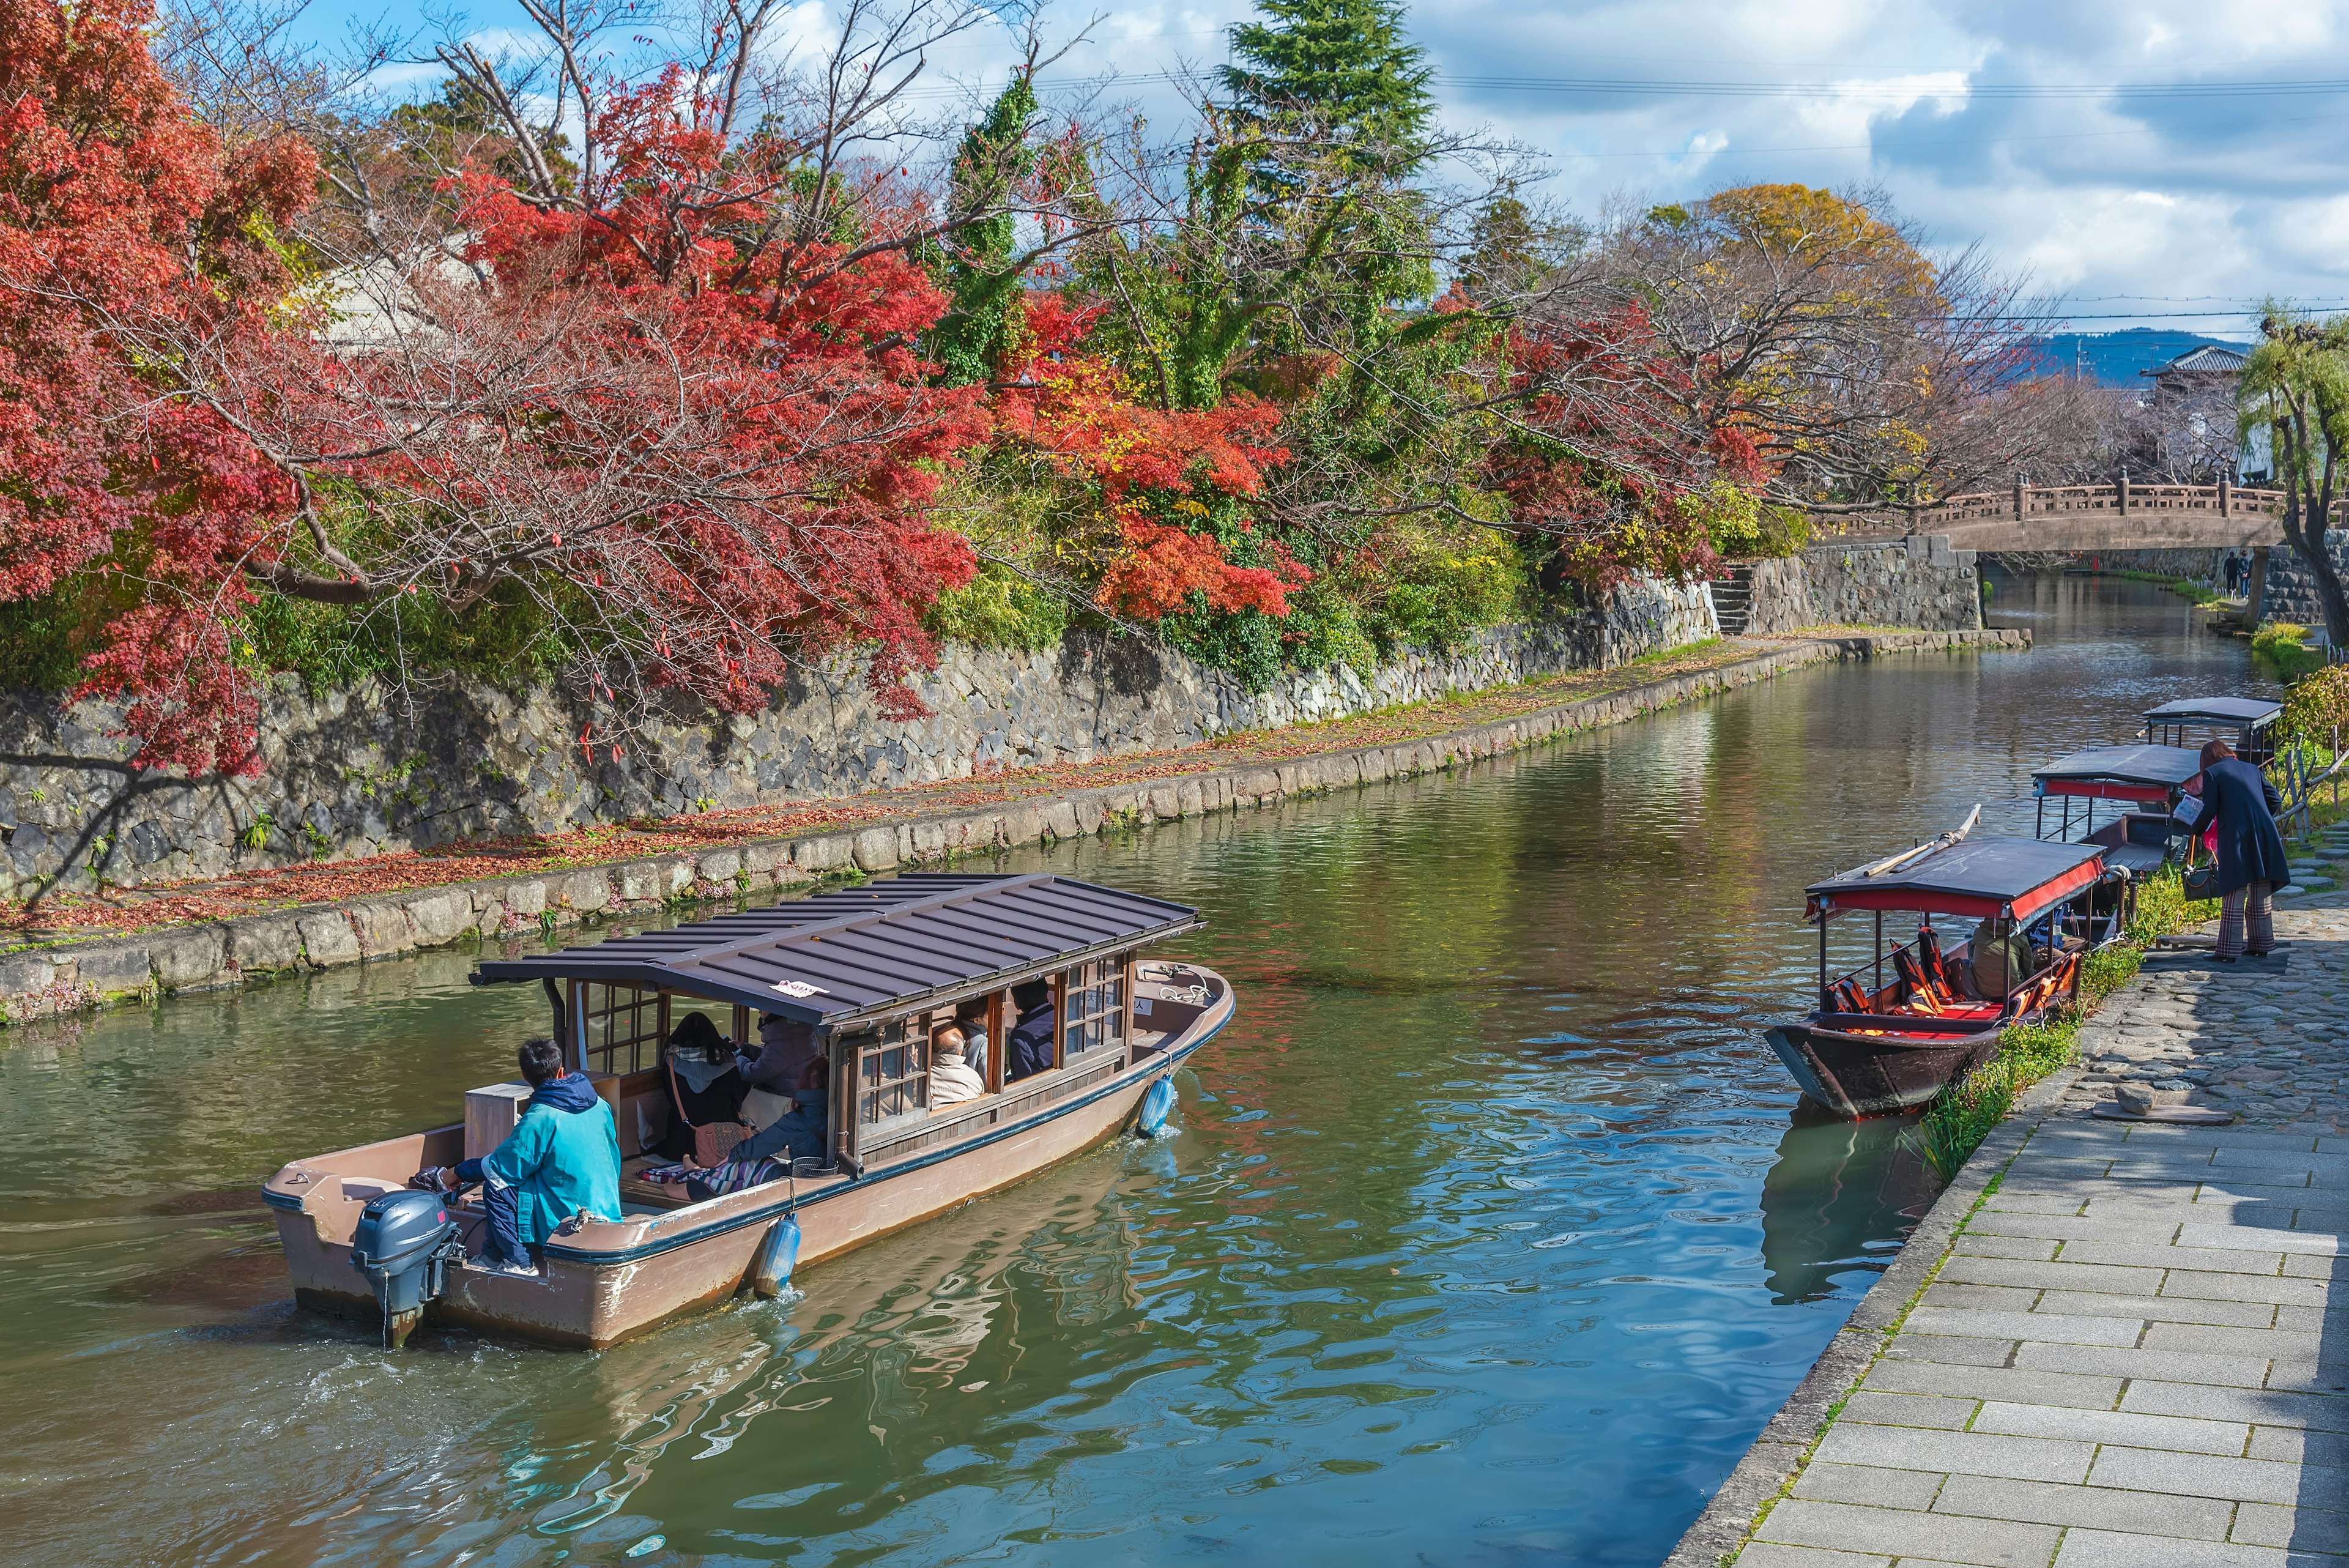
1491	1235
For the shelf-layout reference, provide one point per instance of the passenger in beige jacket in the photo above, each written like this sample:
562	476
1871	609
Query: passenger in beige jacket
952	1080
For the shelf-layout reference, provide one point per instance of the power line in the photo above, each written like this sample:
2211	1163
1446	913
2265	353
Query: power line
1914	85
1910	85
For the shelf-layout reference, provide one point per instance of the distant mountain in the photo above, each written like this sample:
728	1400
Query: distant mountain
2114	358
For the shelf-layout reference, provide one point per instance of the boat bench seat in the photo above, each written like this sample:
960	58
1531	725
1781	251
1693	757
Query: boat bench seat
638	1195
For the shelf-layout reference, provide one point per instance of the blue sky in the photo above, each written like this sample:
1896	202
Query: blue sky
1995	122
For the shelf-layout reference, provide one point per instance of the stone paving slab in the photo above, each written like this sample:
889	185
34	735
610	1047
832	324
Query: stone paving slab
2134	1352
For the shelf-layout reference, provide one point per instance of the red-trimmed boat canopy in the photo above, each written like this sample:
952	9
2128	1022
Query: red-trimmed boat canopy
2119	772
1980	878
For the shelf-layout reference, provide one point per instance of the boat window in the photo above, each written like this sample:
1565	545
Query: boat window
1093	1013
624	1028
893	1072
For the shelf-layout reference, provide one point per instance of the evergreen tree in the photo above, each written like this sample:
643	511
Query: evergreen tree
1339	69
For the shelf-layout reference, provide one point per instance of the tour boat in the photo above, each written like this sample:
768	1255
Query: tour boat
872	971
1879	1045
2246	724
2140	783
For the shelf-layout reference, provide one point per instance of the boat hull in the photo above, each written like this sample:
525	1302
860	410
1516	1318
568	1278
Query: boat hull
611	1281
1857	1075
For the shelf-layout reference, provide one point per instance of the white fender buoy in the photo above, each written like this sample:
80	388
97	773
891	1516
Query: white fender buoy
1158	1101
778	1254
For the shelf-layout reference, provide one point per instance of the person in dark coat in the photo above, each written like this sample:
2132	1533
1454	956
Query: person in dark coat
2239	807
703	1082
1027	1048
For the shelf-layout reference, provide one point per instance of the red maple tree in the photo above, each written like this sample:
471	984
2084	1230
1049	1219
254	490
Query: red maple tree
118	209
1156	473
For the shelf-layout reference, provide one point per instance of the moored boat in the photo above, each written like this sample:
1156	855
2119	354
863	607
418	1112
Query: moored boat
870	972
1882	1042
2246	724
2137	785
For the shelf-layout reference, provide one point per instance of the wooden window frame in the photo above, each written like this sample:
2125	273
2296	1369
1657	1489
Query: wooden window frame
912	1035
586	1045
1115	968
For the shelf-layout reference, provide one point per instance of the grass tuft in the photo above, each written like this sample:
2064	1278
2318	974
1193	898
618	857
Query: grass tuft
1955	1123
1962	1115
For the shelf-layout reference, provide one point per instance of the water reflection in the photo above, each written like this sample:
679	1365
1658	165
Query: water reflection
1824	1201
1488	1238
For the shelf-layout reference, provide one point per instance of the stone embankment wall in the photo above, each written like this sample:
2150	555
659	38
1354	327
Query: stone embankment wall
1918	581
372	770
230	952
2203	567
2291	587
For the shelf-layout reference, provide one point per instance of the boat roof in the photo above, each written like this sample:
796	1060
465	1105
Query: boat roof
873	948
2250	711
1979	877
2141	771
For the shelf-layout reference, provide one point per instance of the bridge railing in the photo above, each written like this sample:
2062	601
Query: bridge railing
2022	503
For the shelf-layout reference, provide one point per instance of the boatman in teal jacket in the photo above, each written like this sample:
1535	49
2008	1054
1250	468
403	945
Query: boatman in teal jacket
562	1160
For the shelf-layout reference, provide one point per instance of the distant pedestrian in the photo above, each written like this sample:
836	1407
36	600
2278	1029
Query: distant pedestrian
2238	814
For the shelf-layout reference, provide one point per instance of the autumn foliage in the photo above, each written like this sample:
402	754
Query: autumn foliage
706	400
1148	469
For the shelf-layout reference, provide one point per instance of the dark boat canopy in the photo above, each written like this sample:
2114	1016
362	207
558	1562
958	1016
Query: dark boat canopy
2139	772
1978	877
2251	712
871	950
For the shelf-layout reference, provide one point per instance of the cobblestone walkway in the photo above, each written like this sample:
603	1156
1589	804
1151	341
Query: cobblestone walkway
2137	1353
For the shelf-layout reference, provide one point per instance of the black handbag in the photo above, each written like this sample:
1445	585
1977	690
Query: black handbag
2201	881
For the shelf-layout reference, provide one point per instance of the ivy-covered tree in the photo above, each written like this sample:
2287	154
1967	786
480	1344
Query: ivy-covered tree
983	277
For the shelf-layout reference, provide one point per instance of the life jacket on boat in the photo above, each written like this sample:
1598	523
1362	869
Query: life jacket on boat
1936	973
1846	996
1920	984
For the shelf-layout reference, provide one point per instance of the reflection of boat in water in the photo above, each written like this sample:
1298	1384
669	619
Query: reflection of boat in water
1840	1197
872	972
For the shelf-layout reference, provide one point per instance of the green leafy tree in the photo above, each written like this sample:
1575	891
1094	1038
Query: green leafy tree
983	276
2296	384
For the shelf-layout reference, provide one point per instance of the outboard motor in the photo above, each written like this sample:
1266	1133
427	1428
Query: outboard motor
404	1245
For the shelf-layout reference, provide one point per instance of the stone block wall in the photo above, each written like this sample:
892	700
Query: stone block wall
2203	567
1918	582
2291	587
368	770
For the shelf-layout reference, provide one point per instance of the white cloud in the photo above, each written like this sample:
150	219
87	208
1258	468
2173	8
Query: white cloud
2237	196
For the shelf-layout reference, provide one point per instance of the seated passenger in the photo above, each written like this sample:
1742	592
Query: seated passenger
1029	1048
785	1049
1999	960
971	1019
703	1082
799	1133
951	1080
562	1160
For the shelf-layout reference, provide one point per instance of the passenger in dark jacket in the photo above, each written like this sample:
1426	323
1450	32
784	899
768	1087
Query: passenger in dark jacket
2238	805
1028	1047
785	1049
703	1082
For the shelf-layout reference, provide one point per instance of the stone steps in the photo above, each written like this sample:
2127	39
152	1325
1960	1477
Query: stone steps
1732	601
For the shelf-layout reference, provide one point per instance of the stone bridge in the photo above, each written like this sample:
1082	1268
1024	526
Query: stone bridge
2078	518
